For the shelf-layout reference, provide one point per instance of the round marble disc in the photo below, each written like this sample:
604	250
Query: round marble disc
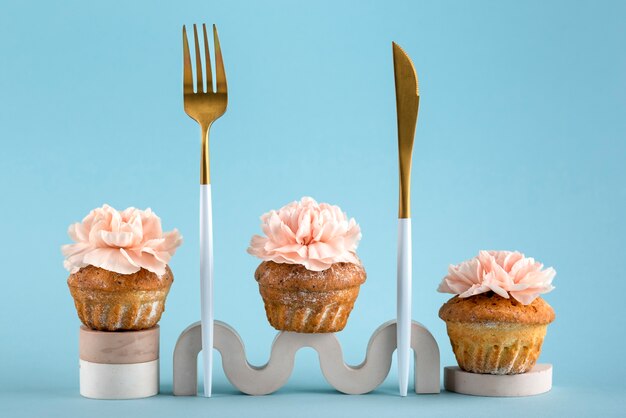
537	380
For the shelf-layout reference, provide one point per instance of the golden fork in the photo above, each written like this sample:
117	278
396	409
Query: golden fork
205	107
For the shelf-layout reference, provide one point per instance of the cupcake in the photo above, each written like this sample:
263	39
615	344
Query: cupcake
310	275
119	277
497	321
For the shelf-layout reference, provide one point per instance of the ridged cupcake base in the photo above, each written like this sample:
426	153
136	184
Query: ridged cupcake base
117	311
308	312
496	348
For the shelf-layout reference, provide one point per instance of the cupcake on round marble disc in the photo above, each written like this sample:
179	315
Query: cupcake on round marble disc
310	277
497	321
118	263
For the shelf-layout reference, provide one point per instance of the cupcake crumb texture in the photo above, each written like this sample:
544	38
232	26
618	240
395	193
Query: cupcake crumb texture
492	308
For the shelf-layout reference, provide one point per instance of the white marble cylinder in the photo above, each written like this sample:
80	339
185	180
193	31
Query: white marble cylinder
119	365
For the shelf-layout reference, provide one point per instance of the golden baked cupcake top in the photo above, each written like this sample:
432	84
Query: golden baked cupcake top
96	278
292	277
490	307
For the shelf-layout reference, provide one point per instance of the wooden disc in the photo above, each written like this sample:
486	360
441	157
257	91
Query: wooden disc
119	347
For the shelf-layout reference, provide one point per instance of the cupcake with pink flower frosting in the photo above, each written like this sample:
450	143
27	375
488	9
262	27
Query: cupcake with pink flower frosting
118	264
497	321
310	275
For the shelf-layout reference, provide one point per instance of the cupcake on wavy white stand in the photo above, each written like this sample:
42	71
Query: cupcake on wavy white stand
311	275
118	263
497	321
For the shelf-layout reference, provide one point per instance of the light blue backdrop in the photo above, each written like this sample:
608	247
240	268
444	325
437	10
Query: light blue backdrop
520	145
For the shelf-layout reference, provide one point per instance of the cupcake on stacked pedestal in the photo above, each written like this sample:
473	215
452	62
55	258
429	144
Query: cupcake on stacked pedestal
497	321
119	277
311	275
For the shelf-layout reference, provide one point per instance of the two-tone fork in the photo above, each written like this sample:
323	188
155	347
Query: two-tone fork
205	107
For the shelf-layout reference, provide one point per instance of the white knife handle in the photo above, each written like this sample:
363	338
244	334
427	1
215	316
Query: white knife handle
206	285
404	303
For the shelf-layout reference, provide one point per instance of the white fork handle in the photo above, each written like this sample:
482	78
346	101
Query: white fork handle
404	303
206	285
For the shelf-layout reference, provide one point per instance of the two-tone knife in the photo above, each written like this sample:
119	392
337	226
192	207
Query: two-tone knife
407	104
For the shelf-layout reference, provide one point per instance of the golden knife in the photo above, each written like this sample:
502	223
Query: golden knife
407	105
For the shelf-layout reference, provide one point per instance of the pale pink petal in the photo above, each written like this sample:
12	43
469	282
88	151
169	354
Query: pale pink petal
486	260
303	235
444	287
287	233
347	257
524	267
117	239
322	250
474	290
110	259
69	250
257	243
275	230
153	243
510	259
316	265
136	227
318	231
468	272
151	225
171	241
145	260
74	254
525	298
95	234
77	232
291	248
162	257
116	222
458	286
499	277
491	281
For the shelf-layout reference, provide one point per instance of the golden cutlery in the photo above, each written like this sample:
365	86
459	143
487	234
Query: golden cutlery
205	107
407	105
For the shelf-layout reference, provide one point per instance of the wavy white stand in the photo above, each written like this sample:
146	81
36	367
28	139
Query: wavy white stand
266	379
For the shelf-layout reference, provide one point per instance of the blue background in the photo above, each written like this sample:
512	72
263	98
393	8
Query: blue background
520	145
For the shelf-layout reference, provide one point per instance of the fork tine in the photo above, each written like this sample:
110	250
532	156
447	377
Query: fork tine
199	87
220	74
187	77
207	61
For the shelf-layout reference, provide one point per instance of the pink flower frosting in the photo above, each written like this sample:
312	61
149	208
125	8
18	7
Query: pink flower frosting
307	233
503	272
123	242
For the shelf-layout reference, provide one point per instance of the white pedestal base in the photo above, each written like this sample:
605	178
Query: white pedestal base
119	381
536	381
